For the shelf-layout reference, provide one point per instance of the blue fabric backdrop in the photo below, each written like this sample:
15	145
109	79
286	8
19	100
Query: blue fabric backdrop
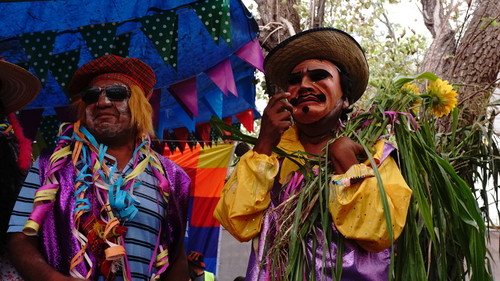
180	39
53	38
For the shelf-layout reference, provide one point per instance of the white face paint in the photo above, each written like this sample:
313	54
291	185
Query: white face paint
108	121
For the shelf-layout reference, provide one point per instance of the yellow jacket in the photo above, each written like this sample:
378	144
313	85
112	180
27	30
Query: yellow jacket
356	209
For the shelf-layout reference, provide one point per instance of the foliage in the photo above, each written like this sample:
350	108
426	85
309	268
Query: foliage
444	237
444	228
390	48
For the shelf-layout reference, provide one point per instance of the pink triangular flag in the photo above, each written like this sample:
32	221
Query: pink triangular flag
222	76
186	95
252	53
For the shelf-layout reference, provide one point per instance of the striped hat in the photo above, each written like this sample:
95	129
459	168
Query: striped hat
130	71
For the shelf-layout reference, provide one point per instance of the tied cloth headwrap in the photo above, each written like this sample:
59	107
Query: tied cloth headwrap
104	233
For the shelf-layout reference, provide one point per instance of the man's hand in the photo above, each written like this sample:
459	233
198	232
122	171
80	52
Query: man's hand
344	153
276	119
29	262
178	270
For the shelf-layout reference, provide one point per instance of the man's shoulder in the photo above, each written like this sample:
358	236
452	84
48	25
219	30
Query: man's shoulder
166	162
171	167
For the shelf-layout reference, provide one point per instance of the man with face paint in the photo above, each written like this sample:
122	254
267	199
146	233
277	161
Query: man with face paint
323	71
103	205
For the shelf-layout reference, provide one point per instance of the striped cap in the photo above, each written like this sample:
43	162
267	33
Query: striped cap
135	70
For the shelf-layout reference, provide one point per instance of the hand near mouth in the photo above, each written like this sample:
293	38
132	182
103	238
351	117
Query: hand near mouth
276	119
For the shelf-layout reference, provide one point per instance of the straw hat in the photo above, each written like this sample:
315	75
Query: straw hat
18	87
320	43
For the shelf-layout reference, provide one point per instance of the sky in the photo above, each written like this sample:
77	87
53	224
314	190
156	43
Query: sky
407	13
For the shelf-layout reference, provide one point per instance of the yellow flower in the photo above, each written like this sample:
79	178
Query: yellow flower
444	98
412	89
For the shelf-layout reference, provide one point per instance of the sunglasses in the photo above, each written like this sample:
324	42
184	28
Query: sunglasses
113	93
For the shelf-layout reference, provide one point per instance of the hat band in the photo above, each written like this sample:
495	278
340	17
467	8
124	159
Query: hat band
129	81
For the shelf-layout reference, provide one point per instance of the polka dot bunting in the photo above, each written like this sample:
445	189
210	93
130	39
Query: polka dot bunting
192	141
63	65
99	38
122	43
49	128
214	136
38	47
216	16
161	29
170	136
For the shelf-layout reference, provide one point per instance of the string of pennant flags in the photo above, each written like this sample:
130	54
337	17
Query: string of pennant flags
102	39
204	54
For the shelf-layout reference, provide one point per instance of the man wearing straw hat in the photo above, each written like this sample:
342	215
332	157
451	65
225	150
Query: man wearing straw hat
18	87
103	205
323	71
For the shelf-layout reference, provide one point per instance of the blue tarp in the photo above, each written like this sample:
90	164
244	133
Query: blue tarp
55	30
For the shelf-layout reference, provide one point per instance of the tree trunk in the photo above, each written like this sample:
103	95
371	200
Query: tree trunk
473	63
437	57
319	17
477	59
278	20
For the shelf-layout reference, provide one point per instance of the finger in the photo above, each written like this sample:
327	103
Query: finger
280	110
276	98
285	125
280	100
286	105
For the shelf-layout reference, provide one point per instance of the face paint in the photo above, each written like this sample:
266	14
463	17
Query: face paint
315	90
107	120
295	101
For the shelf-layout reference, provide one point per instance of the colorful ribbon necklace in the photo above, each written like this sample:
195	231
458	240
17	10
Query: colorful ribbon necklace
113	195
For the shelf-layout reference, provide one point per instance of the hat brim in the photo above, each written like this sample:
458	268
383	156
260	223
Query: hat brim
321	43
18	87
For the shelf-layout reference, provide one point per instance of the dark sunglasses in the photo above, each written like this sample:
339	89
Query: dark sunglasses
113	93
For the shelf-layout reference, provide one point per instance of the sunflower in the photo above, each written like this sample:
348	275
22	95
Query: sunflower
444	98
